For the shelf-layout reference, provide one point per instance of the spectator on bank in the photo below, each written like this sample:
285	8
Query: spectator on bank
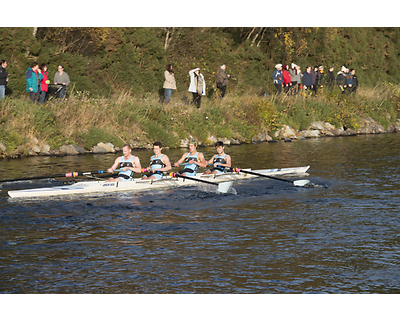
321	76
3	78
197	86
61	78
222	80
352	81
347	74
287	81
33	78
341	79
44	83
295	76
308	83
278	78
330	81
169	83
315	78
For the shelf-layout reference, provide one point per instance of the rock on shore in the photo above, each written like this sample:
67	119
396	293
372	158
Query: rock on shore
72	150
319	129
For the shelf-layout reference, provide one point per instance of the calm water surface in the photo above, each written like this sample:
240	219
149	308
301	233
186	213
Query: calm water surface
266	237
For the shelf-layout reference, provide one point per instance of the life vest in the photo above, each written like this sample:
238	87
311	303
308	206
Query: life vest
191	169
156	163
127	175
220	159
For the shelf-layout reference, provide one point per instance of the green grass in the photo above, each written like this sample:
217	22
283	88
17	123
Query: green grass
143	119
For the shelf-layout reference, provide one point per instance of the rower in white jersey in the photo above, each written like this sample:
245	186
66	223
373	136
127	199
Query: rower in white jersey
192	160
159	163
221	162
128	163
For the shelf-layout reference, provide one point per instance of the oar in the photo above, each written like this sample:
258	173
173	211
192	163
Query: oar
223	187
297	183
59	175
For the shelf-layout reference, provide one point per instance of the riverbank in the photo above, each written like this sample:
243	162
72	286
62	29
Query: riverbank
100	125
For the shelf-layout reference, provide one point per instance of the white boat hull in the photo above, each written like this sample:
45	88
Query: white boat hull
138	185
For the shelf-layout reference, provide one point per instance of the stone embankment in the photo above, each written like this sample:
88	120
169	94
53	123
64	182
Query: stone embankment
317	129
320	129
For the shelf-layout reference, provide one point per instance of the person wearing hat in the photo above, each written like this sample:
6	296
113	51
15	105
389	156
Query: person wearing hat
341	79
278	78
192	160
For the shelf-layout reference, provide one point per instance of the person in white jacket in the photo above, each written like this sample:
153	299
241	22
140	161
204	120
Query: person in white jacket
197	86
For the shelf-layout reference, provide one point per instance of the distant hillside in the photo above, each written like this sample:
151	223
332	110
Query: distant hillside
103	61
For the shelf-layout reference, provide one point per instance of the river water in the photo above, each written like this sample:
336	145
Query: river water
341	236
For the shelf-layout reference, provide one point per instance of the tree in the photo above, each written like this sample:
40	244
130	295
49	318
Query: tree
86	41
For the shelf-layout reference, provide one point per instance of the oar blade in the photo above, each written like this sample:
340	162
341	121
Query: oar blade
301	183
224	187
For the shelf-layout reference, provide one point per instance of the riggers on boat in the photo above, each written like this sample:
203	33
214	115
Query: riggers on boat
143	185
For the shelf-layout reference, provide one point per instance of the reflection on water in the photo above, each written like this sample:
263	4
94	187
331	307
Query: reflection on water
266	237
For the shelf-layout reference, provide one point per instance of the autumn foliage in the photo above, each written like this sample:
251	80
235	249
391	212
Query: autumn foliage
104	61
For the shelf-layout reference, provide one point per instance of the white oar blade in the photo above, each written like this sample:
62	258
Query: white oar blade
224	187
301	183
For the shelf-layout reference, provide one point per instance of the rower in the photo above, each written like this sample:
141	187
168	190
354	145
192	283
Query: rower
192	160
159	163
128	163
221	162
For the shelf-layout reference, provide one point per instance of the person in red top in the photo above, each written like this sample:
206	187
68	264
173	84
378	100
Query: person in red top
287	82
43	83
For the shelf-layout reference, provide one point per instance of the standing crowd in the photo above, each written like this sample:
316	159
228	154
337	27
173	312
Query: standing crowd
290	79
37	81
197	84
287	79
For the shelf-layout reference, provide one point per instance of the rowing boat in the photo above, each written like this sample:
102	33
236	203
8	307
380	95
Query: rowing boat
138	185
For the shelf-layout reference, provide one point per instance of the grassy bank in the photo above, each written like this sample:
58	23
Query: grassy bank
129	118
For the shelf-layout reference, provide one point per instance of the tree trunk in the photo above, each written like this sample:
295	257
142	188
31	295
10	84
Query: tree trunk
250	33
262	36
256	36
168	37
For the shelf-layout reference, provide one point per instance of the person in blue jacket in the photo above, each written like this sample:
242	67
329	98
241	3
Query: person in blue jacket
33	78
278	78
352	81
